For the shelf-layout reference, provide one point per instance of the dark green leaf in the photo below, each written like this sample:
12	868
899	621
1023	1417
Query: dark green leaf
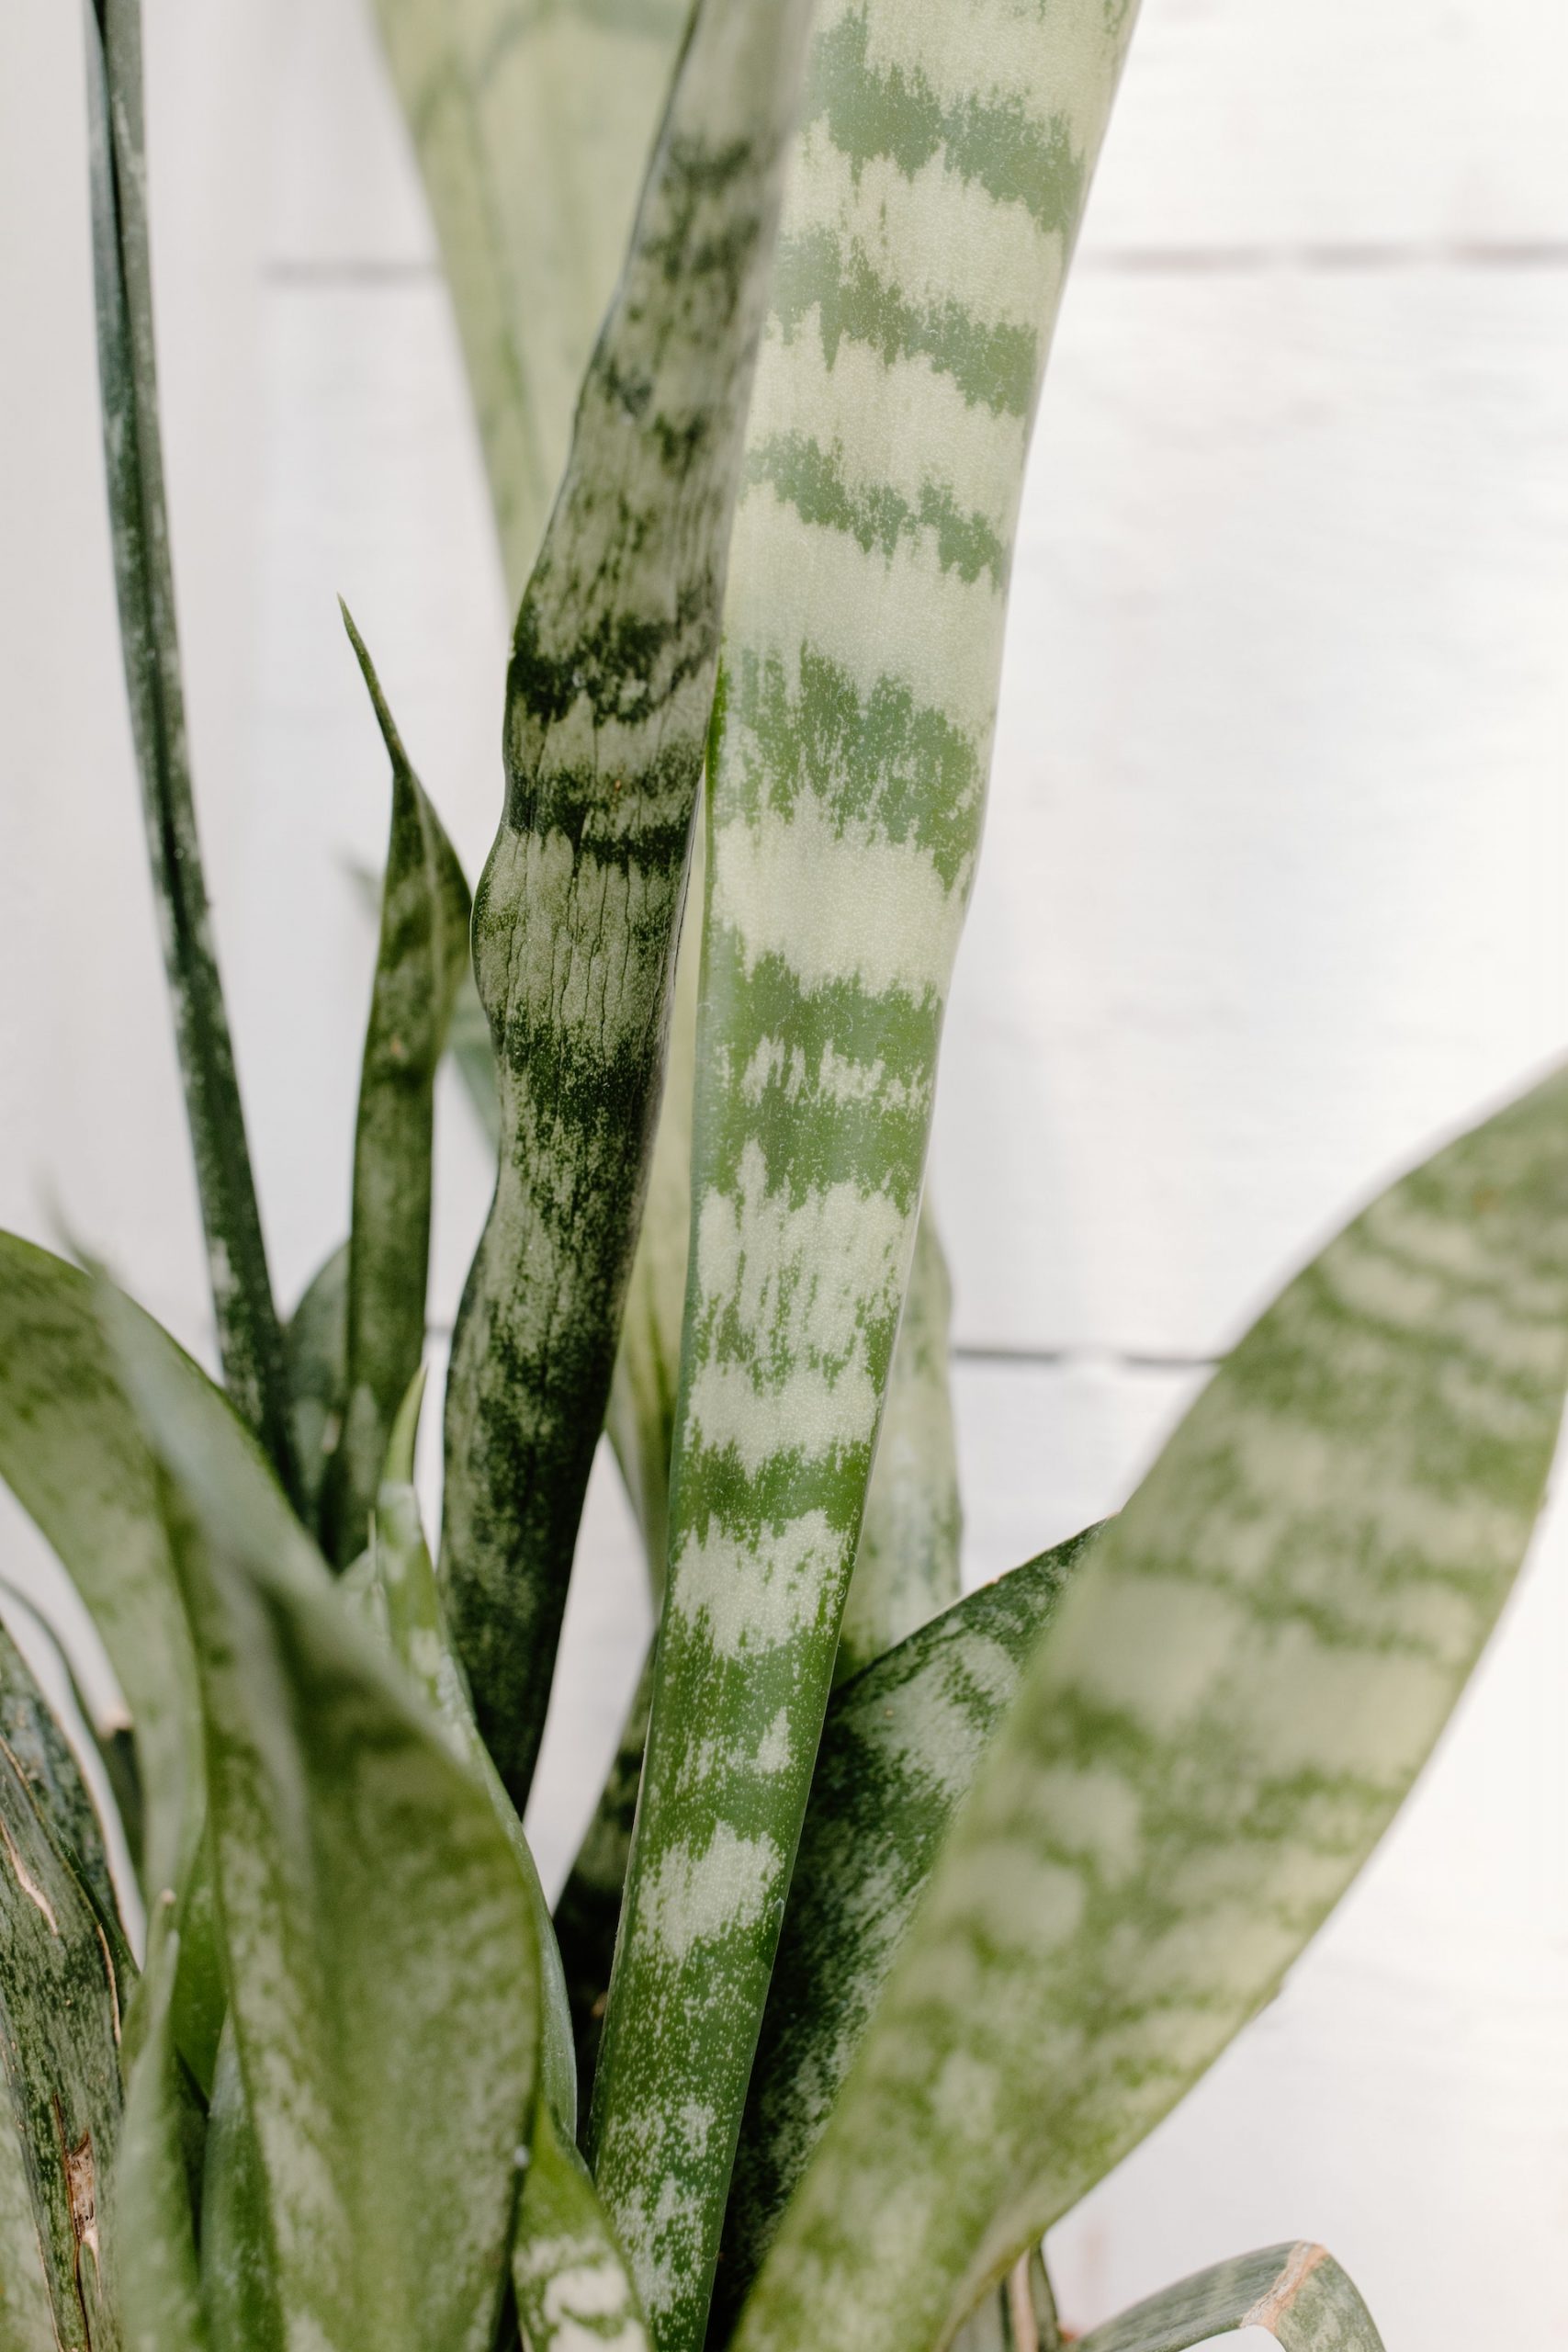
317	1347
43	1756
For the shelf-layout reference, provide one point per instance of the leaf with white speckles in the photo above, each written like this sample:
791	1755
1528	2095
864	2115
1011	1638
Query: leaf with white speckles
378	1946
421	960
1298	2292
940	175
44	1757
249	1340
1237	1694
573	2291
609	693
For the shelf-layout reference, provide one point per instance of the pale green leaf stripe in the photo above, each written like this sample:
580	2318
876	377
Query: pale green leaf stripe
74	1455
900	1747
44	1757
421	959
532	123
1237	1695
1298	2292
249	1340
396	1583
608	697
60	1994
379	1954
151	2215
852	743
573	2290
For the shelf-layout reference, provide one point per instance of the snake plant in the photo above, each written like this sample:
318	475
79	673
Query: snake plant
901	1916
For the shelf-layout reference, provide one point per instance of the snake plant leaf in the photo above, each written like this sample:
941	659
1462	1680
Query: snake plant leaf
400	1597
379	1949
74	1455
608	696
421	957
61	1987
1018	2316
473	1058
573	2290
316	1353
940	174
589	1911
27	2323
240	2287
901	1746
1298	2292
249	1337
531	128
1237	1695
907	1564
47	1763
153	2225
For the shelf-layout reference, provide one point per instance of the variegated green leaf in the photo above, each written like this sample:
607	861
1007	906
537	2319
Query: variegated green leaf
942	171
900	1747
249	1337
906	1563
61	1986
150	2212
397	1584
422	958
73	1454
1018	2316
589	1911
532	128
380	1953
25	2322
608	698
573	2290
1298	2292
240	2290
1237	1694
316	1345
43	1756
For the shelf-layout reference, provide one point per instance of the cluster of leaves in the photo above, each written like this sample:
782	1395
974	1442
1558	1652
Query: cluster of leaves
902	1917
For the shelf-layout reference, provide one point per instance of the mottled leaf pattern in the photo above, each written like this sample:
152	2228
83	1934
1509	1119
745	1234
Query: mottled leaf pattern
900	1747
378	1947
940	178
421	961
61	1987
575	917
1298	2292
573	2290
532	127
42	1755
151	2216
1235	1696
248	1335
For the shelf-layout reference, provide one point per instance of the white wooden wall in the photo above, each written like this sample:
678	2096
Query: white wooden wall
1274	885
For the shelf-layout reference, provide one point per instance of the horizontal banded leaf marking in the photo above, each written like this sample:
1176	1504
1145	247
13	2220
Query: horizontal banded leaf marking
812	481
1237	1695
608	700
1298	2292
846	297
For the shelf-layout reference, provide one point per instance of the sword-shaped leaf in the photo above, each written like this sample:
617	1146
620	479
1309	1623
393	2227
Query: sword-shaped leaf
316	1349
381	1965
61	1988
608	699
1298	2292
43	1756
531	129
900	1747
249	1337
1237	1695
153	2219
939	181
421	961
573	2290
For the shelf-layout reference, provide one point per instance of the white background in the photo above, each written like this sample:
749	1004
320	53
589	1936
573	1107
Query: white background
1273	889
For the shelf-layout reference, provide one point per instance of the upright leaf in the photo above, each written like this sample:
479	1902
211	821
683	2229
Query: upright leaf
249	1337
901	1746
1298	2292
60	1994
151	2219
573	2291
608	697
1237	1695
940	174
383	1978
422	958
531	129
43	1756
316	1351
589	1911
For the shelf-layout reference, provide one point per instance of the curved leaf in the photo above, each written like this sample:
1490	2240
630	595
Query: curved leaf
154	2226
1237	1695
377	1943
421	961
43	1756
608	697
1298	2292
573	2290
249	1337
940	174
60	1992
532	128
900	1749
